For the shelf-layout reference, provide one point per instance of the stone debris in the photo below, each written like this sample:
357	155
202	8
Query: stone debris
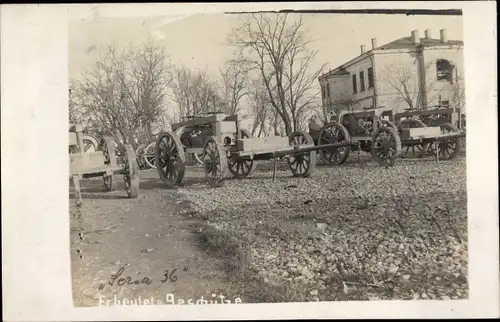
358	230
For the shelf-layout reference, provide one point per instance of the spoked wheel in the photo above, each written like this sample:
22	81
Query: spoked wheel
302	164
448	149
386	146
417	150
214	162
89	144
131	172
140	158
108	150
150	159
170	159
334	133
242	168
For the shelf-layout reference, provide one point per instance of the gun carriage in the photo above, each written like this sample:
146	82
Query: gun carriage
449	120
101	163
225	147
375	132
370	131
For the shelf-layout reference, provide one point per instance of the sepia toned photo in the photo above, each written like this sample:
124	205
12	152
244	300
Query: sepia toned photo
261	158
289	160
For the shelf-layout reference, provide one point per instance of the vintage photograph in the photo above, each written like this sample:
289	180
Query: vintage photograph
267	157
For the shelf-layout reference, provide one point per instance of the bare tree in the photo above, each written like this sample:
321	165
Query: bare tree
76	113
163	122
194	92
457	98
234	85
405	82
260	107
277	48
151	78
123	93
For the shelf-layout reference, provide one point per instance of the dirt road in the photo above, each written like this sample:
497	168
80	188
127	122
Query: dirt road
146	243
263	241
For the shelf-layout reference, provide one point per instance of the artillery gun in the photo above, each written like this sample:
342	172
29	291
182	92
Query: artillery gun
101	163
222	144
449	120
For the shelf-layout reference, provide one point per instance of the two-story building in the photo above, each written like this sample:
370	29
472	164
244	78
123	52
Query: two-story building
408	73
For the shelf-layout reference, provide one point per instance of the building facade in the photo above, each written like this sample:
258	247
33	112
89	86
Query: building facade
408	73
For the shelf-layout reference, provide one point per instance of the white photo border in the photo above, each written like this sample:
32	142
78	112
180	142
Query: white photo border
35	222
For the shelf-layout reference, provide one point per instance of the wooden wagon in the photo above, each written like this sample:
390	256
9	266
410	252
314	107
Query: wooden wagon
227	148
449	120
375	132
371	131
103	162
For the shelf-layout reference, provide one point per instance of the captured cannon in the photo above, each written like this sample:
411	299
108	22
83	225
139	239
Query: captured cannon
375	132
226	148
449	120
371	131
101	163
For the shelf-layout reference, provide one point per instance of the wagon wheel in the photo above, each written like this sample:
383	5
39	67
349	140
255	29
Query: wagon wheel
334	132
89	144
108	151
386	146
170	159
448	149
417	150
139	155
150	160
302	163
242	168
131	172
214	162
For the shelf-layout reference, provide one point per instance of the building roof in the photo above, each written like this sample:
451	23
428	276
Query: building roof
401	43
406	42
340	71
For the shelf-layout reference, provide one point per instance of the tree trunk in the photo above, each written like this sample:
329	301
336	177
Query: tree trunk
149	131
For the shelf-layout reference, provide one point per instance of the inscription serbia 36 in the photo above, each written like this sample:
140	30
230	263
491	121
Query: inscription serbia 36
118	279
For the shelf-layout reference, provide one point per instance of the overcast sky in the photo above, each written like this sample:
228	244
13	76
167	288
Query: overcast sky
198	41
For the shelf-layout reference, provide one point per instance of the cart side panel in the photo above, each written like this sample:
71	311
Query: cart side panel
84	162
420	133
264	143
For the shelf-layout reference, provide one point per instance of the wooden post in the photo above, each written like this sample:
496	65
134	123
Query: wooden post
78	195
275	169
359	151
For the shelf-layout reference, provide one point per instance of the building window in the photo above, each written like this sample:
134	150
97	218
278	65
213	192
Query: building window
370	78
444	70
354	84
362	80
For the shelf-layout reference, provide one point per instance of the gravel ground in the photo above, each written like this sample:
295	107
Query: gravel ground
354	232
